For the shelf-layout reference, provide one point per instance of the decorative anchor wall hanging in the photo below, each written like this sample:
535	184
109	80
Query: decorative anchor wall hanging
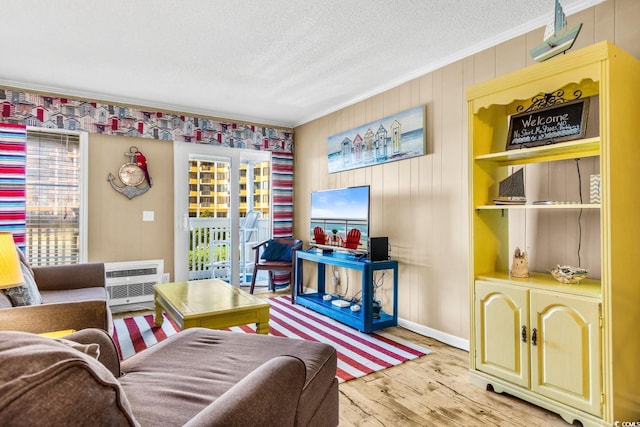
132	174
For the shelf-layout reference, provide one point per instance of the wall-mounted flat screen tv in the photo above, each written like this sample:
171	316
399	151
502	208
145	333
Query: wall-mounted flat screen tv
340	219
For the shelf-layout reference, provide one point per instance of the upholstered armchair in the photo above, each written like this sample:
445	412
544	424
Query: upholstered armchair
73	297
198	377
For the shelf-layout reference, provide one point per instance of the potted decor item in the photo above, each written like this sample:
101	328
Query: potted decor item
335	239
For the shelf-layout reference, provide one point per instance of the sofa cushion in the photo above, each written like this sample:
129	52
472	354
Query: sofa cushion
199	365
5	302
79	389
71	295
27	293
267	397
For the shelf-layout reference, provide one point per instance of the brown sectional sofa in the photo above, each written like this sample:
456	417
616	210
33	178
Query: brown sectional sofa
198	377
73	297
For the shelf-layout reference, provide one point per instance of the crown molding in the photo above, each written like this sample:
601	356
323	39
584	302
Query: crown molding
457	56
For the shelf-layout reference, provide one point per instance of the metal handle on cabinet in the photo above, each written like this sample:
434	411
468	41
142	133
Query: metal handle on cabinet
534	336
524	333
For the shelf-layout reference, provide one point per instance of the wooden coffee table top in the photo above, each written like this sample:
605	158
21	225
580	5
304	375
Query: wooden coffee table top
204	297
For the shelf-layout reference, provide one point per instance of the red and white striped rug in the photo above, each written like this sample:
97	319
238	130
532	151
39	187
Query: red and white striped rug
359	354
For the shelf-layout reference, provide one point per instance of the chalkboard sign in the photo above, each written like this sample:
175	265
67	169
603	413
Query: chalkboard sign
560	122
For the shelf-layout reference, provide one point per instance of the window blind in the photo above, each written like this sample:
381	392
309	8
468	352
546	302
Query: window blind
53	198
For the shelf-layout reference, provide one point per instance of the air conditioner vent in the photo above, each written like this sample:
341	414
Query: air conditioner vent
132	272
132	282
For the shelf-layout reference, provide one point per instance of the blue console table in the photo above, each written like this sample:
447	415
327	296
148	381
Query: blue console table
362	320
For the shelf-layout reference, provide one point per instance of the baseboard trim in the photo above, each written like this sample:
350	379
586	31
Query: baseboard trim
452	340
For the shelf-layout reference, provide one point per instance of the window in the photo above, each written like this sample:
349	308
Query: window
56	197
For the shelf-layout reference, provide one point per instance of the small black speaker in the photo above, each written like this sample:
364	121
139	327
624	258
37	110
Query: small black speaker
378	249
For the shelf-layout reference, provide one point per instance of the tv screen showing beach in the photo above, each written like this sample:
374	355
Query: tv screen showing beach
337	213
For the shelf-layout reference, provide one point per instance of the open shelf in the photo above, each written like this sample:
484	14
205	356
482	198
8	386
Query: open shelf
541	207
315	302
545	281
589	147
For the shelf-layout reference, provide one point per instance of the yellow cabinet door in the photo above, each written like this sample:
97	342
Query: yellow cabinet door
565	349
501	314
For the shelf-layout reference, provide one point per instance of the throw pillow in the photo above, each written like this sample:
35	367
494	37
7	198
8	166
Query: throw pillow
276	251
23	260
5	302
26	293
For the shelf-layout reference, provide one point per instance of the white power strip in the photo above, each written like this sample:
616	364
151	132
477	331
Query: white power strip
340	303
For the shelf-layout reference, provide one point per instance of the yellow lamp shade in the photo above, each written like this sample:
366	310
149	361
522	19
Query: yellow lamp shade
10	273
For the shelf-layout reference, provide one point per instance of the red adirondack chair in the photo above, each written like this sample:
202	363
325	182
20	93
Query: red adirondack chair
353	239
319	237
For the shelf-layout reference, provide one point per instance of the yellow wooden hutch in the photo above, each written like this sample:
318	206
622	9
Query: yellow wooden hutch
570	348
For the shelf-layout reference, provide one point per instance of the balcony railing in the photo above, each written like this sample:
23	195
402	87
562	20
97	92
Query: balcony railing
53	245
210	253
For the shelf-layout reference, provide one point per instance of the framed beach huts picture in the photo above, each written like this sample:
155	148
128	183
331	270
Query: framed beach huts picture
397	137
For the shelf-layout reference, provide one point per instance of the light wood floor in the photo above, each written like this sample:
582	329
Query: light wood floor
433	390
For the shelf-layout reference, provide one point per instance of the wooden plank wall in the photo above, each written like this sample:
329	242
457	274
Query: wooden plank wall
421	204
117	230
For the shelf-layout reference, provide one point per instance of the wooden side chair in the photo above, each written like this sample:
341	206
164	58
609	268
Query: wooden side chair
276	255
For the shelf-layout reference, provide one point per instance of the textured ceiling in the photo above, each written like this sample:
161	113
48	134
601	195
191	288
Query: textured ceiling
279	62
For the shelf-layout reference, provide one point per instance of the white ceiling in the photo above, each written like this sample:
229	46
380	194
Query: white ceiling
278	62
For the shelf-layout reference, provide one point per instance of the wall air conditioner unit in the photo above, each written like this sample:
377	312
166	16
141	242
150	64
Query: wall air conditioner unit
130	283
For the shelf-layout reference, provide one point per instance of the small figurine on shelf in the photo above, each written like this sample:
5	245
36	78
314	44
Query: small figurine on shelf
520	266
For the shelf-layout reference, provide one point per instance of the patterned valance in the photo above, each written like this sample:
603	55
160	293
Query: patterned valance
45	111
94	117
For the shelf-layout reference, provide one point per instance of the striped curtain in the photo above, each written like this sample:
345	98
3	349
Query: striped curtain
13	146
282	187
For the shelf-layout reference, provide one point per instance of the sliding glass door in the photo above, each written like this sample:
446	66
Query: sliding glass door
209	220
222	208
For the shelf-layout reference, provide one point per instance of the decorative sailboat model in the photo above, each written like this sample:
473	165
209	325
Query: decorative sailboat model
511	190
557	38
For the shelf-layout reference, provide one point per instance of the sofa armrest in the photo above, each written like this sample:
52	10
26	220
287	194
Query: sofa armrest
72	276
108	351
43	318
267	397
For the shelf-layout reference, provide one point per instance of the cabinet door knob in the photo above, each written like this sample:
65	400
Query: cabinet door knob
534	336
524	333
